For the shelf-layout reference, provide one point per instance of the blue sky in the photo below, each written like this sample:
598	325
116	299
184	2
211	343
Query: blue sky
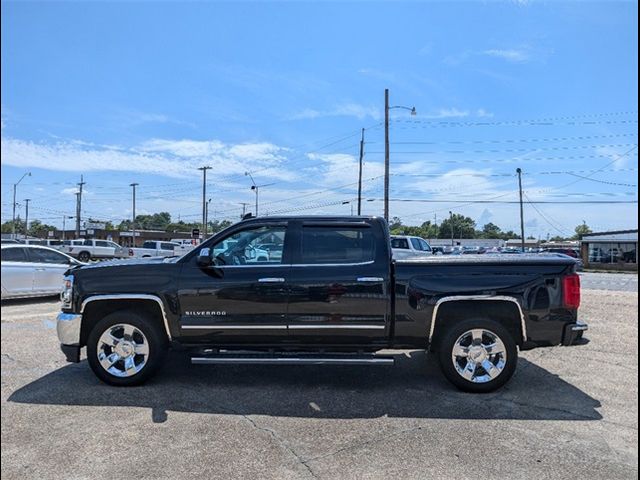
147	92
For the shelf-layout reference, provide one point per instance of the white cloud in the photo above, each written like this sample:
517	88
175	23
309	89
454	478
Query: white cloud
344	110
509	54
173	158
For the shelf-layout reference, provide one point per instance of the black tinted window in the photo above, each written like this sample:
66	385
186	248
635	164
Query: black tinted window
40	255
13	255
331	245
167	246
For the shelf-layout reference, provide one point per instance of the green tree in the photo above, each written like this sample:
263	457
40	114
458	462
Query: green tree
39	229
395	224
463	227
7	227
491	230
581	230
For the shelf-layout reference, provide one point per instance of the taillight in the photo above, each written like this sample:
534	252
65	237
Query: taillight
130	252
571	291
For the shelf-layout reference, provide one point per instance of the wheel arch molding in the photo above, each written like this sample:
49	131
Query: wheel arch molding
455	308
95	307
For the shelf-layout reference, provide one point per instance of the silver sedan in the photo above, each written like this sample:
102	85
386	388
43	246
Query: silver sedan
33	271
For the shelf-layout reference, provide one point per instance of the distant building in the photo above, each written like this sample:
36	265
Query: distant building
617	250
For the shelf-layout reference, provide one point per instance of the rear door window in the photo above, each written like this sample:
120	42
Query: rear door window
14	255
330	245
400	243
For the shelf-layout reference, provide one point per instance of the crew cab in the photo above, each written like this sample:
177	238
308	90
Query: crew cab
154	248
334	296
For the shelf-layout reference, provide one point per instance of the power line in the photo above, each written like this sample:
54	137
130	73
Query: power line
519	140
509	150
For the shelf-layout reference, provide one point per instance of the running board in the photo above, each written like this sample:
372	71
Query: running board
293	360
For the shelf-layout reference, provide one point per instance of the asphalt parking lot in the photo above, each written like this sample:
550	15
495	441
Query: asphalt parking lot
567	413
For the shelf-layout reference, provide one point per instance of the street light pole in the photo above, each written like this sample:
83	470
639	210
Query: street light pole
451	222
255	187
133	221
15	186
204	195
519	171
26	216
64	225
360	174
386	148
206	217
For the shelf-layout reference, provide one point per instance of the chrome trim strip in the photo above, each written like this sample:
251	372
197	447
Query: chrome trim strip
233	327
370	279
293	361
271	280
337	327
271	265
131	296
457	298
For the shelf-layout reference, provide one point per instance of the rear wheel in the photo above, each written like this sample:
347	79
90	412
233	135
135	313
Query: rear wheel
84	256
126	348
478	355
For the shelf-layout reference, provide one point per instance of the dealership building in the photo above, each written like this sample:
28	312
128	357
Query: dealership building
617	250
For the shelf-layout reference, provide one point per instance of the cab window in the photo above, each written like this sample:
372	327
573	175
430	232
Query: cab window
330	245
243	247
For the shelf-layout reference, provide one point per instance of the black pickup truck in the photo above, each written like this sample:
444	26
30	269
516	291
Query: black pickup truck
328	293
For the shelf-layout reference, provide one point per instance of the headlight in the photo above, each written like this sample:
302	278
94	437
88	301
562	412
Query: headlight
67	291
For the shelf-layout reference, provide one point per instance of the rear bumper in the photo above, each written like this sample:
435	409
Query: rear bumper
573	332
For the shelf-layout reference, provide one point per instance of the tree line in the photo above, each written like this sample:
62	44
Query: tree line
461	226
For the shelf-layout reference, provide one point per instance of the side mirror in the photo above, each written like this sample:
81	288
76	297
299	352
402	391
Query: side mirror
204	258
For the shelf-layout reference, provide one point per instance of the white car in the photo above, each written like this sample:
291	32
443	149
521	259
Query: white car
403	246
154	248
85	250
33	271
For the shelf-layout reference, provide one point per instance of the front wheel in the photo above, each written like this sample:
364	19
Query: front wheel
84	256
126	348
478	356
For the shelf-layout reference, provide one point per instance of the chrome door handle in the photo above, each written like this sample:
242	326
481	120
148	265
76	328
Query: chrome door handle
370	279
271	280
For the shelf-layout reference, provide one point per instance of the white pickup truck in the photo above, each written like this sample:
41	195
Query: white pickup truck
154	248
85	250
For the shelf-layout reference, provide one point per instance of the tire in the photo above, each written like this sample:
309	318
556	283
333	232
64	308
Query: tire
135	348
84	256
469	371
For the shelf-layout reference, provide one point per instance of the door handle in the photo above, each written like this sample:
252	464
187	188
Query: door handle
271	280
370	279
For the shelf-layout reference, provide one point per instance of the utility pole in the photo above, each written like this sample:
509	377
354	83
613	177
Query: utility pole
26	216
15	186
451	222
79	206
204	196
133	222
386	154
64	225
360	174
244	209
519	170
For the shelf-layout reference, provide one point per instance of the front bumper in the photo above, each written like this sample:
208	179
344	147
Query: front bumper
573	332
68	327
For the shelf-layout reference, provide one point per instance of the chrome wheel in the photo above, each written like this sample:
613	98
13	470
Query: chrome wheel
123	350
479	355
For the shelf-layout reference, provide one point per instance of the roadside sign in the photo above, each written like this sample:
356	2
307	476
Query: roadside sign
195	233
50	233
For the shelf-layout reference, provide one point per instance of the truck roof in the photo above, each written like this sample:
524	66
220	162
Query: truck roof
322	218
